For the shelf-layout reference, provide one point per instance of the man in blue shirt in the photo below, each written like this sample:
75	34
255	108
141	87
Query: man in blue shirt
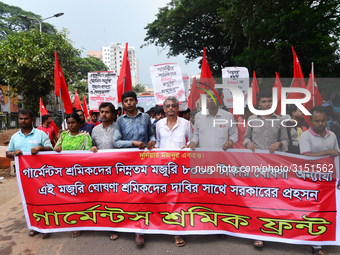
28	139
133	129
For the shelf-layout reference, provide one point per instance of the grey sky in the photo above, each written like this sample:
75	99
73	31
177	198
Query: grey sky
93	24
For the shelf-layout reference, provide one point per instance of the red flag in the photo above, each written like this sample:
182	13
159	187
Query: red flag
255	89
86	112
43	111
77	103
206	78
298	81
125	72
59	83
278	85
194	95
317	96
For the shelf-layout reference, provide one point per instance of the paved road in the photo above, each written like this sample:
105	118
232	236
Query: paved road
14	238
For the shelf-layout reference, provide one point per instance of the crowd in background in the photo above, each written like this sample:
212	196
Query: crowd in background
164	127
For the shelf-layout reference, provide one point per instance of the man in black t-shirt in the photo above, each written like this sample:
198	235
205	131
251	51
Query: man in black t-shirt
297	117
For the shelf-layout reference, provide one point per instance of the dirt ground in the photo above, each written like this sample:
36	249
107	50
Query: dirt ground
6	136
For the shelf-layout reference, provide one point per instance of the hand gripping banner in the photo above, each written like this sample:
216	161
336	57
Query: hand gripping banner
276	197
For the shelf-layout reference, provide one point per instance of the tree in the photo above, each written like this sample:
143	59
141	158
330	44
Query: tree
272	27
138	88
85	66
189	25
257	34
27	63
11	23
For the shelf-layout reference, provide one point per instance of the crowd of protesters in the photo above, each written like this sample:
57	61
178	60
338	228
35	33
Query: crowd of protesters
164	127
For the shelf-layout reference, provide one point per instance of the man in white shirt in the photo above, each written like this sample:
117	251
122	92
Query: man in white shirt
214	130
173	132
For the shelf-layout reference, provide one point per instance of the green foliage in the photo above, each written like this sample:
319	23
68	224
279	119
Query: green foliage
138	88
27	63
189	25
85	66
257	34
272	27
10	23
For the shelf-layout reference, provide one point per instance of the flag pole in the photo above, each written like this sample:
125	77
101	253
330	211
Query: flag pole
313	83
124	85
40	115
62	109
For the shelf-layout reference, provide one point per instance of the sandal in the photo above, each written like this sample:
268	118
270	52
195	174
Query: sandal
113	235
33	232
317	251
139	239
45	235
179	242
258	243
76	234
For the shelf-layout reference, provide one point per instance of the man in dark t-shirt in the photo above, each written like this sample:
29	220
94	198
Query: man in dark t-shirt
296	126
84	127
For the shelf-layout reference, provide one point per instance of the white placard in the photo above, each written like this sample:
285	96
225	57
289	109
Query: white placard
186	82
102	88
237	76
167	81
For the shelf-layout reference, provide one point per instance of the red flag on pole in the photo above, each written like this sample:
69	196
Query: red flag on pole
317	96
86	112
298	81
124	82
194	95
60	85
206	78
43	111
255	89
278	85
77	103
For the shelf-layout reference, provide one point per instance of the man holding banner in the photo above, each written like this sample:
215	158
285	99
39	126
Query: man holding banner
214	130
133	129
317	141
28	139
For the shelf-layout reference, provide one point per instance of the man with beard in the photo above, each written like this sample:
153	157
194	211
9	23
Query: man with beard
85	127
28	139
317	141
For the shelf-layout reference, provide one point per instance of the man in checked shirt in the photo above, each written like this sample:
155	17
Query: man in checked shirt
264	133
133	130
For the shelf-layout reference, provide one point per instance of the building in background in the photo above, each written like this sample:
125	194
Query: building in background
112	57
95	53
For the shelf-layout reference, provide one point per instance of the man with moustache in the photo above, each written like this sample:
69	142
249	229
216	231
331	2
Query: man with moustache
28	139
85	127
317	141
209	134
102	135
270	136
133	130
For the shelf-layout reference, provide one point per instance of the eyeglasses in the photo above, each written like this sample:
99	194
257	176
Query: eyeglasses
170	105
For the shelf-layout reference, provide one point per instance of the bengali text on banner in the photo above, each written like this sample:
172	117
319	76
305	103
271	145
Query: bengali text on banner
281	197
